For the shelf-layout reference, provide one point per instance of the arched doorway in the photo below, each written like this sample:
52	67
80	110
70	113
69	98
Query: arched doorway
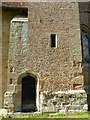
28	94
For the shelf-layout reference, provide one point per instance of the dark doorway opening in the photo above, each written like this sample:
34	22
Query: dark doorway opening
28	94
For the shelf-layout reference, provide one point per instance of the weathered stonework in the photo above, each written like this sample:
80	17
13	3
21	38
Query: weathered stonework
9	101
18	52
64	101
7	15
60	76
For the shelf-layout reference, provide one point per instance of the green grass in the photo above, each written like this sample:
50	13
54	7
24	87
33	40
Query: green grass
47	115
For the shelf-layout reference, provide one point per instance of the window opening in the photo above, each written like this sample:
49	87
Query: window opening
10	81
53	40
85	43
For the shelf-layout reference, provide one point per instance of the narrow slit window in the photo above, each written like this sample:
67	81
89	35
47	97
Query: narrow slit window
53	40
10	82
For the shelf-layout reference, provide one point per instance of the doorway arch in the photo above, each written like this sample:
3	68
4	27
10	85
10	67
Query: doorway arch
28	100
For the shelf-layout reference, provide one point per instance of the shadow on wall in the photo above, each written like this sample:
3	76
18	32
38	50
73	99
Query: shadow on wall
84	13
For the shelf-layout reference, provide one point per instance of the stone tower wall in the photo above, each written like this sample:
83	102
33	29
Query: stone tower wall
7	15
55	69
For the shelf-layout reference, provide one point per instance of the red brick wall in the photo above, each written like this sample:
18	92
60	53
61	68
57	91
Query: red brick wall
58	68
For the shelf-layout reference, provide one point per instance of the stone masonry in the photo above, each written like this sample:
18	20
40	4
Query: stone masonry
7	15
18	53
58	71
64	101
